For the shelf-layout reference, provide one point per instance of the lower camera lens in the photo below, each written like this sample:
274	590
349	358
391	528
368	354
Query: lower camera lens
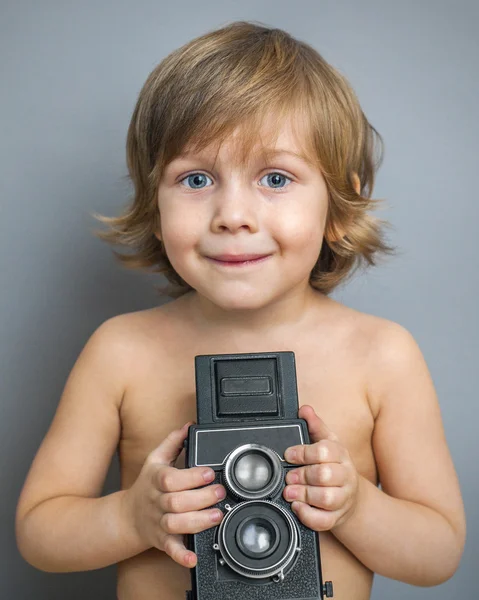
258	539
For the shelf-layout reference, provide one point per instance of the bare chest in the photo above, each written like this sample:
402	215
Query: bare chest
163	397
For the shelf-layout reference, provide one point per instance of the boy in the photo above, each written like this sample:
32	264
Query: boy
253	166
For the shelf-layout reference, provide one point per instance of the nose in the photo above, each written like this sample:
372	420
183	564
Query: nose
235	210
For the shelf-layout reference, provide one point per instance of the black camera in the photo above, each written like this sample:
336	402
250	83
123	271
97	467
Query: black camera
247	415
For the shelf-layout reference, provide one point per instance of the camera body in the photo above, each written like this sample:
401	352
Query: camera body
247	415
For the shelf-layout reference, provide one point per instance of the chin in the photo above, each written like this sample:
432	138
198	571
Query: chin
240	302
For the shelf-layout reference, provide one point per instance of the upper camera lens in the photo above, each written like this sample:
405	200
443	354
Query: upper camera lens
253	471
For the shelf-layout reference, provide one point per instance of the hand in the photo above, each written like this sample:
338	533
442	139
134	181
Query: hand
325	490
162	504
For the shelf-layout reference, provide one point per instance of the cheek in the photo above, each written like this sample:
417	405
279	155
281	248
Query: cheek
305	229
179	229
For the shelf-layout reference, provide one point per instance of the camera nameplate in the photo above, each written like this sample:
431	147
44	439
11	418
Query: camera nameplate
218	446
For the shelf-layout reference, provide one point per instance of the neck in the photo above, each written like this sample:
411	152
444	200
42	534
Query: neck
284	313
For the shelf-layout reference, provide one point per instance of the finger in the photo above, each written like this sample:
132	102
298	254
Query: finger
176	549
325	451
314	518
190	522
170	479
326	474
181	502
327	498
318	430
169	449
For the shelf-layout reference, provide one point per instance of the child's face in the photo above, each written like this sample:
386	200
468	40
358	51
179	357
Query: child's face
243	238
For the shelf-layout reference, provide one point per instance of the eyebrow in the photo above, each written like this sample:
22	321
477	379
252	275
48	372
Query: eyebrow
273	152
278	151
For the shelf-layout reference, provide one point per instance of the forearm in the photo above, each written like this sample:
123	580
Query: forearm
72	533
400	539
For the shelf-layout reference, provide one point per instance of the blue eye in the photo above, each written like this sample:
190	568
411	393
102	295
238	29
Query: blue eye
276	179
197	179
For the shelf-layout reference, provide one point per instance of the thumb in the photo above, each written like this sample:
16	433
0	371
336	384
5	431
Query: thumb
317	427
170	448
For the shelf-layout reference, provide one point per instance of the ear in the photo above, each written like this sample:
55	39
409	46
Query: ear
356	182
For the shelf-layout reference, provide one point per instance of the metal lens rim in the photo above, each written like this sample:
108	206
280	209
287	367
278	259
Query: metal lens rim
274	482
259	573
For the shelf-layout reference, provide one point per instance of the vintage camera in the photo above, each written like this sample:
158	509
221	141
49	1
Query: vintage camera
247	415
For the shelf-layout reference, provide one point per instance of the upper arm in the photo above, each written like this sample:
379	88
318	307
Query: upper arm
409	442
75	454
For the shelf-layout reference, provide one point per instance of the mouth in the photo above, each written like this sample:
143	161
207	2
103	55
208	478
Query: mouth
238	260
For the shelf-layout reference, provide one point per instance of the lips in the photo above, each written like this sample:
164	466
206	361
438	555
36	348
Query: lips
238	257
238	260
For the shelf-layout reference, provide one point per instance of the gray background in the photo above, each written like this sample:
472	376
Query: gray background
70	75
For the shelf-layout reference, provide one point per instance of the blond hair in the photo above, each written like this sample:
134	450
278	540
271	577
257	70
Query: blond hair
235	77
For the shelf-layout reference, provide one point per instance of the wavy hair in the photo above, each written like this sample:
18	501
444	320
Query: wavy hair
234	78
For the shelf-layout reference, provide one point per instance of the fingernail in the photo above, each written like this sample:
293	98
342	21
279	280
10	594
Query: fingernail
208	475
291	493
220	493
290	454
216	516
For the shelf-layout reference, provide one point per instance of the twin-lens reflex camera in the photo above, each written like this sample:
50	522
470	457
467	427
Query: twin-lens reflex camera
247	415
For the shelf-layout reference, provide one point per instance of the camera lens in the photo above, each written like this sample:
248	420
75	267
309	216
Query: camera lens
258	539
253	471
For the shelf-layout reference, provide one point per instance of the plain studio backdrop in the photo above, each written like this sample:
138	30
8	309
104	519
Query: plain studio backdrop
70	76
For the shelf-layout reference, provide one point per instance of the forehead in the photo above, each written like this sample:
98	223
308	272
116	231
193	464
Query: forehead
288	137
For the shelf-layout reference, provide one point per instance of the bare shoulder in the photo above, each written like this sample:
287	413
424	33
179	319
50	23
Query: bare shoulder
129	328
130	332
386	350
135	344
394	358
398	378
380	337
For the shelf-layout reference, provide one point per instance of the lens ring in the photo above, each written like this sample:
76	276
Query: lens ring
244	565
265	468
